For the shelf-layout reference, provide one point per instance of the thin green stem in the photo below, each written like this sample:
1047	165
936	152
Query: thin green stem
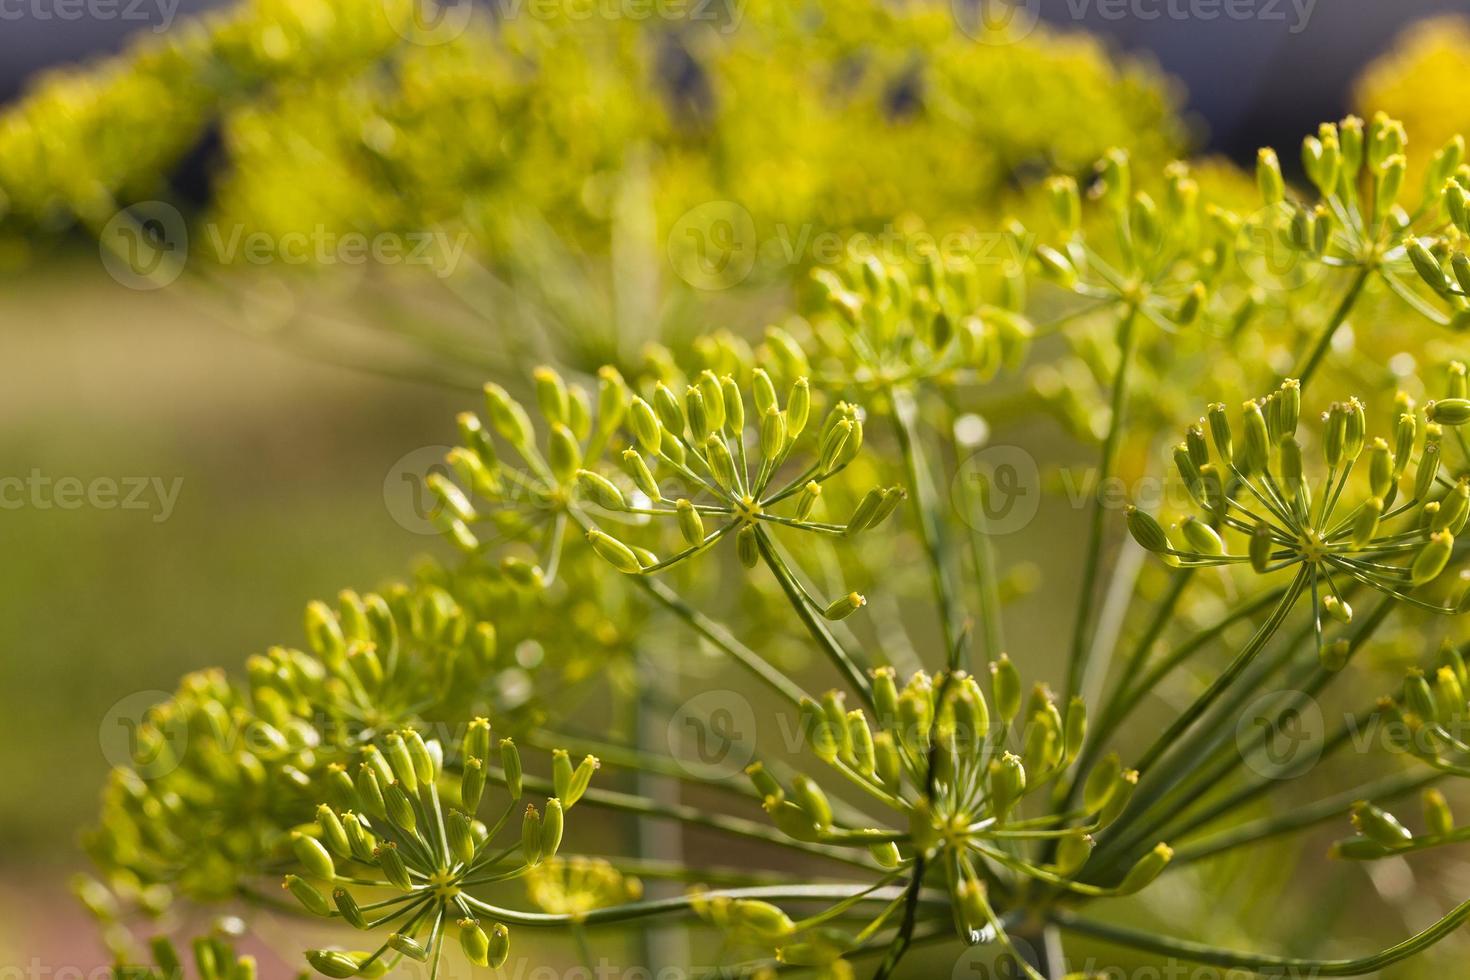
1319	350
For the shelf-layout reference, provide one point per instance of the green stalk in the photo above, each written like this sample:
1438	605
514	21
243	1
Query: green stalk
812	620
1111	443
1308	366
926	515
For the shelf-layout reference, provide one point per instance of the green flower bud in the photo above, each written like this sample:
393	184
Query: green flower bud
1338	609
798	408
396	751
1453	509
499	945
1438	818
400	807
393	868
1148	868
1261	544
807	500
1449	411
1257	455
601	491
1334	656
332	962
835	444
712	395
459	836
885	694
1146	531
313	857
888	765
844	606
721	463
361	840
474	942
1122	795
1006	781
645	424
809	796
1379	826
886	854
510	761
1073	851
761	917
1449	695
1220	432
614	552
1427	266
612	399
508	417
860	738
1201	537
1432	558
734	404
1066	203
1005	689
765	784
531	835
552	828
773	433
863	513
1380	468
408	946
747	547
670	412
472	784
305	893
347	907
1075	729
1268	176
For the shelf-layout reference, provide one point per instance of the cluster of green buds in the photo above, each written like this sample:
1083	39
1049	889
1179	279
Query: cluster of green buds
879	325
527	500
214	958
728	473
220	768
959	770
1398	537
1358	222
388	831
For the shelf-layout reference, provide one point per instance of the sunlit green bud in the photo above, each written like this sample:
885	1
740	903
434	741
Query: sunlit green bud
763	391
324	632
400	807
1354	430
892	498
1302	233
1457	205
791	820
1388	181
765	784
1268	176
602	491
886	854
1122	795
1432	558
798	408
863	513
809	796
472	783
762	918
1188	472
645	424
425	759
844	606
1427	266
885	694
915	716
1257	454
551	394
788	353
1438	818
825	741
1288	407
1194	445
887	763
391	863
552	827
721	463
807	500
1453	509
1428	468
312	856
1338	609
1006	781
305	893
747	547
773	433
1449	695
1449	411
860	738
834	444
333	833
1116	174
1380	468
340	787
401	761
531	835
1334	434
834	715
1365	524
712	399
580	421
670	412
1073	850
637	469
1066	203
1291	467
971	908
370	791
852	444
507	416
1350	139
476	742
614	552
563	453
1419	697
972	713
1074	730
1005	689
691	525
1043	736
459	835
1429	513
1379	825
348	908
1148	868
1055	266
408	946
332	962
1143	220
1146	531
1260	547
699	420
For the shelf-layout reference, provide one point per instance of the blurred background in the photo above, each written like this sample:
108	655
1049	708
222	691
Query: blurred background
265	461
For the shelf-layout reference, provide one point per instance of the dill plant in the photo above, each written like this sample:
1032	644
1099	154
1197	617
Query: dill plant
941	790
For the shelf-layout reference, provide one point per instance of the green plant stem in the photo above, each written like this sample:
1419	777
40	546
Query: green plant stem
925	502
1190	715
1262	963
1112	441
1308	367
722	638
811	619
